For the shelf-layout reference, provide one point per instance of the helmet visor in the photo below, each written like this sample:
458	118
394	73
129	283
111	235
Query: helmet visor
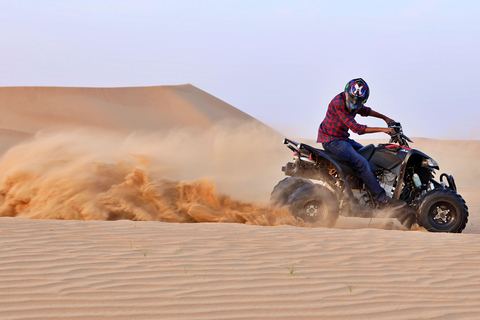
354	103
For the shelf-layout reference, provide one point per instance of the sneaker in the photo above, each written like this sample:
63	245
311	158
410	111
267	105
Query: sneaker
390	203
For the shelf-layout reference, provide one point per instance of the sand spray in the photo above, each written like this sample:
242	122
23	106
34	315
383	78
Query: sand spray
223	174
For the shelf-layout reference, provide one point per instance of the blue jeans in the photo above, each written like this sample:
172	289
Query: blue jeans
347	150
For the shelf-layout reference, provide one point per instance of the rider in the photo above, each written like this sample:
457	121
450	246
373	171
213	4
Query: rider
333	134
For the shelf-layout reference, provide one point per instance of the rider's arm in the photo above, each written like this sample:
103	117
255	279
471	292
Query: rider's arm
380	116
376	129
360	128
349	121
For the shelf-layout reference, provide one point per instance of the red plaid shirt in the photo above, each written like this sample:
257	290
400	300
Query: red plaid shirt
338	120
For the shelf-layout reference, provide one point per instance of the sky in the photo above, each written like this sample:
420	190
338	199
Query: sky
280	61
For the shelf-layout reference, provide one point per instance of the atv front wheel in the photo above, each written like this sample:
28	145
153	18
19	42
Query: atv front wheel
443	211
315	204
284	189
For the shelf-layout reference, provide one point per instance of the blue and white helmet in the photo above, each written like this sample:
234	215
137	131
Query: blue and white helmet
356	93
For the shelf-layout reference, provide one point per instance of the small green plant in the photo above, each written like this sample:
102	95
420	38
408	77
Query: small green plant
292	269
186	270
350	287
144	252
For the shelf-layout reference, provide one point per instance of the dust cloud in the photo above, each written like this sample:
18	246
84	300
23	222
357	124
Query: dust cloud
224	174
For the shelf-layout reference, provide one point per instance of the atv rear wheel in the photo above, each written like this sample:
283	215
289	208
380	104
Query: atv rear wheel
284	189
315	204
443	210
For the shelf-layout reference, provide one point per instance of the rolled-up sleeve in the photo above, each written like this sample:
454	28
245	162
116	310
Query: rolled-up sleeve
365	111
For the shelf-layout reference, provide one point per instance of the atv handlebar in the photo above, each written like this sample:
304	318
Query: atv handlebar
398	137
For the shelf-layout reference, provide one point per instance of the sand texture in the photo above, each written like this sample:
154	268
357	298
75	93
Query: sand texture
154	270
152	203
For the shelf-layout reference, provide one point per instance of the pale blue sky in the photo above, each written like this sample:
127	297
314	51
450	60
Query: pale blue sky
279	61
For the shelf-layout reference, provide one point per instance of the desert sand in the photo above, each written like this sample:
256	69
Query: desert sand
110	203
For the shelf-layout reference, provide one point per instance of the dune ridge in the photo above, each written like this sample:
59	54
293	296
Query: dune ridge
28	110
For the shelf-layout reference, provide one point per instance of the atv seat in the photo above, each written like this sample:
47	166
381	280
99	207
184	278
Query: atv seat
344	165
367	151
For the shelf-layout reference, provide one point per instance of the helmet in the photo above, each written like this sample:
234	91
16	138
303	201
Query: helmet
356	93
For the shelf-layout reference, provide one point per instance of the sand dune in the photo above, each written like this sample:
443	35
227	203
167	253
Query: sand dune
125	109
30	109
157	159
153	270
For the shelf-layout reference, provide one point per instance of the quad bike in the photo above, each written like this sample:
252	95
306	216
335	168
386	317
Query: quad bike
321	186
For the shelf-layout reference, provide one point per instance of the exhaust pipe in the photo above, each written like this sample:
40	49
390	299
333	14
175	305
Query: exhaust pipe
290	169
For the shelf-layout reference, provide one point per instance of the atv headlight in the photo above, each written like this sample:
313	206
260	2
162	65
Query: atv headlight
429	162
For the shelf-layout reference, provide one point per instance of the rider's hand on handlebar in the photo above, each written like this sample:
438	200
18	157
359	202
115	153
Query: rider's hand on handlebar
390	131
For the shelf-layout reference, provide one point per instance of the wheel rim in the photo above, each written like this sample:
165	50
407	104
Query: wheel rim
314	212
442	215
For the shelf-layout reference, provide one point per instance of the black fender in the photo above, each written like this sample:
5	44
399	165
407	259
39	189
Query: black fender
411	154
321	156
